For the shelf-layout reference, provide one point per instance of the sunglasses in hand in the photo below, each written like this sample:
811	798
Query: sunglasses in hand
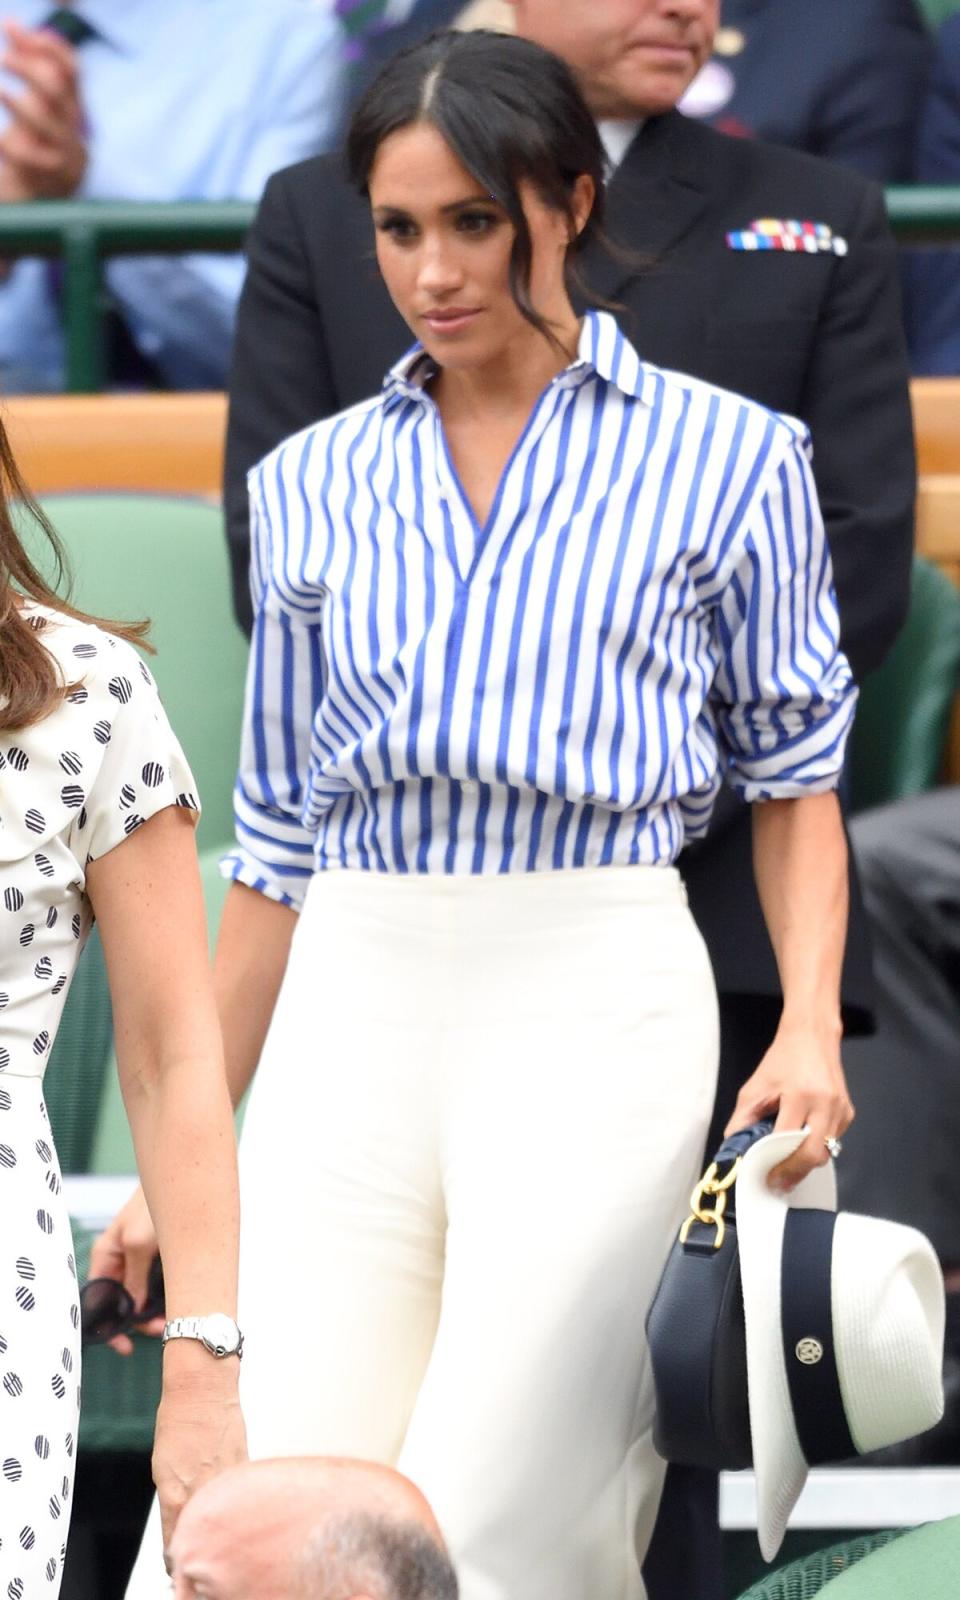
107	1308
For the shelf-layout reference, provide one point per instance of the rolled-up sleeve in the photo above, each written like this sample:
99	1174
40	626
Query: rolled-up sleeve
784	696
274	850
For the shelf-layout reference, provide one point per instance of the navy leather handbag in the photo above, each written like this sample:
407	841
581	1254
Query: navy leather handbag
695	1326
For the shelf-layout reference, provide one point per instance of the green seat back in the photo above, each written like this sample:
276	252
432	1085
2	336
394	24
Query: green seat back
74	1079
923	1565
802	1579
164	557
899	736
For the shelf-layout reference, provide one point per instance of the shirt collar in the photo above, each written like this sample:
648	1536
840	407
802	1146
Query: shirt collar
617	136
123	25
602	349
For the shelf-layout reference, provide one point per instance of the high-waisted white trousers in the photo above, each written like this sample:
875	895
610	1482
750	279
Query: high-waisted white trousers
473	1133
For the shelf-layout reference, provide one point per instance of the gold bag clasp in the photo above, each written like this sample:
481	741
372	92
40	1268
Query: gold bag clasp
711	1187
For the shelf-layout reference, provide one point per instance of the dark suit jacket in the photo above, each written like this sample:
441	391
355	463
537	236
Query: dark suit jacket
818	336
838	78
933	276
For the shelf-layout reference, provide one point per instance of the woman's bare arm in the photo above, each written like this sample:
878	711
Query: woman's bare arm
800	865
147	899
251	957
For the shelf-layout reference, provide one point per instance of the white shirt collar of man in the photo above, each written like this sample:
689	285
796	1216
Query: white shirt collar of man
617	135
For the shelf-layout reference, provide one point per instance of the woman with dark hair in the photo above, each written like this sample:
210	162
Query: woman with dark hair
515	616
96	820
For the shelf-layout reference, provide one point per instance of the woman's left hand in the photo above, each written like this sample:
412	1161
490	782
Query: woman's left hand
801	1077
125	1250
199	1432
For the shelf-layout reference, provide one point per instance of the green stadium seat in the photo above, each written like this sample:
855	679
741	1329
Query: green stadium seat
923	1565
806	1577
899	738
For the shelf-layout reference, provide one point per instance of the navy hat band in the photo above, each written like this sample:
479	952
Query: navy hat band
806	1320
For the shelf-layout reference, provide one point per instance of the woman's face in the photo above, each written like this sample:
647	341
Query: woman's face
444	246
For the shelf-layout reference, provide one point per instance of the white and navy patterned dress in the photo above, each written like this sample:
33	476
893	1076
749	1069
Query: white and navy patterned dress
72	787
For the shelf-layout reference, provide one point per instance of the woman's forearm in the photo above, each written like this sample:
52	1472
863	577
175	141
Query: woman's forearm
800	864
148	902
180	1118
250	960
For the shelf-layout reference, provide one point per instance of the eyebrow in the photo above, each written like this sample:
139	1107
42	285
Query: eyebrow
455	205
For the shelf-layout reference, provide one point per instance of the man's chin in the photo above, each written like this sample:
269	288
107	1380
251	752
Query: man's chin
631	101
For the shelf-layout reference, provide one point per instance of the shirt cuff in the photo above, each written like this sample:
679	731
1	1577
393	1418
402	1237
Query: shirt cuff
807	760
239	867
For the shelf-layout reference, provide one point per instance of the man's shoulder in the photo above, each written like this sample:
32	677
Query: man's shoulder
948	47
316	195
741	167
315	178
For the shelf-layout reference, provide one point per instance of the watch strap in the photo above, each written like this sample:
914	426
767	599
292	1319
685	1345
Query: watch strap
182	1328
199	1328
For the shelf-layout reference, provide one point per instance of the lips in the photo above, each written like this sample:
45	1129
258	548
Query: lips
667	47
451	319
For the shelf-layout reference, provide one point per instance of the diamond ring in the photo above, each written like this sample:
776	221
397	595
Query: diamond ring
833	1145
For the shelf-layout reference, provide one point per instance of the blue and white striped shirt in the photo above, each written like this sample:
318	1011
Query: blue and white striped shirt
648	606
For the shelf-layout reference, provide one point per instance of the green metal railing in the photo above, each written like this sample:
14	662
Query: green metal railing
83	233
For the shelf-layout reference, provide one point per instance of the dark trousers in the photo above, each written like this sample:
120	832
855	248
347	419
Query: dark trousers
684	1559
901	1155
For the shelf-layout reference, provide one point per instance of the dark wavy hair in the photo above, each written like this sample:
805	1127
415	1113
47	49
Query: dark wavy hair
511	112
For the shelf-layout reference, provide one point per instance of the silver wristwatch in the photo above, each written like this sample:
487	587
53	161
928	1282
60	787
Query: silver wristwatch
219	1333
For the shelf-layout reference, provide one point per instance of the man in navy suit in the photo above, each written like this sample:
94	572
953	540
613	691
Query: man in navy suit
842	79
814	332
933	276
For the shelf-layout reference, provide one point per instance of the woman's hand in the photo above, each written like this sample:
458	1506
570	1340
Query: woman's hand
125	1251
199	1428
800	863
801	1077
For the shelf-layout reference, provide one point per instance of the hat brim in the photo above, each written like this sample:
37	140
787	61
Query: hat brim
779	1465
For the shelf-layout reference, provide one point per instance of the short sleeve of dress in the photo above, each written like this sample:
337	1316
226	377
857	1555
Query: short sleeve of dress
143	769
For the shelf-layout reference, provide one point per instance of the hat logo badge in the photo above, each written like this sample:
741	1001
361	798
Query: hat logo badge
809	1351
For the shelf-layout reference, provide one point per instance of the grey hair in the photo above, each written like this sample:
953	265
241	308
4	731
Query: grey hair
388	1559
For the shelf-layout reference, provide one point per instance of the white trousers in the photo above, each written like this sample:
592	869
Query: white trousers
477	1121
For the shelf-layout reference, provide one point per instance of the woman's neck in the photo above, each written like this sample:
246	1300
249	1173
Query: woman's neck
513	382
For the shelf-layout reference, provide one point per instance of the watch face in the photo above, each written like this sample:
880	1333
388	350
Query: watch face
220	1334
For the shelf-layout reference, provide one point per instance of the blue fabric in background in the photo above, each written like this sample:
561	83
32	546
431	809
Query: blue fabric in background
932	277
188	100
405	22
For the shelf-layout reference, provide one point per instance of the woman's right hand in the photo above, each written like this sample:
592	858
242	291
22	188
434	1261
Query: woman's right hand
125	1251
200	1429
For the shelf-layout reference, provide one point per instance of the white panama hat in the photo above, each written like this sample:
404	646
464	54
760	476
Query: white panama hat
844	1327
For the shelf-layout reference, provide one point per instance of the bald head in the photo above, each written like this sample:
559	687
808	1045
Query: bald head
310	1529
